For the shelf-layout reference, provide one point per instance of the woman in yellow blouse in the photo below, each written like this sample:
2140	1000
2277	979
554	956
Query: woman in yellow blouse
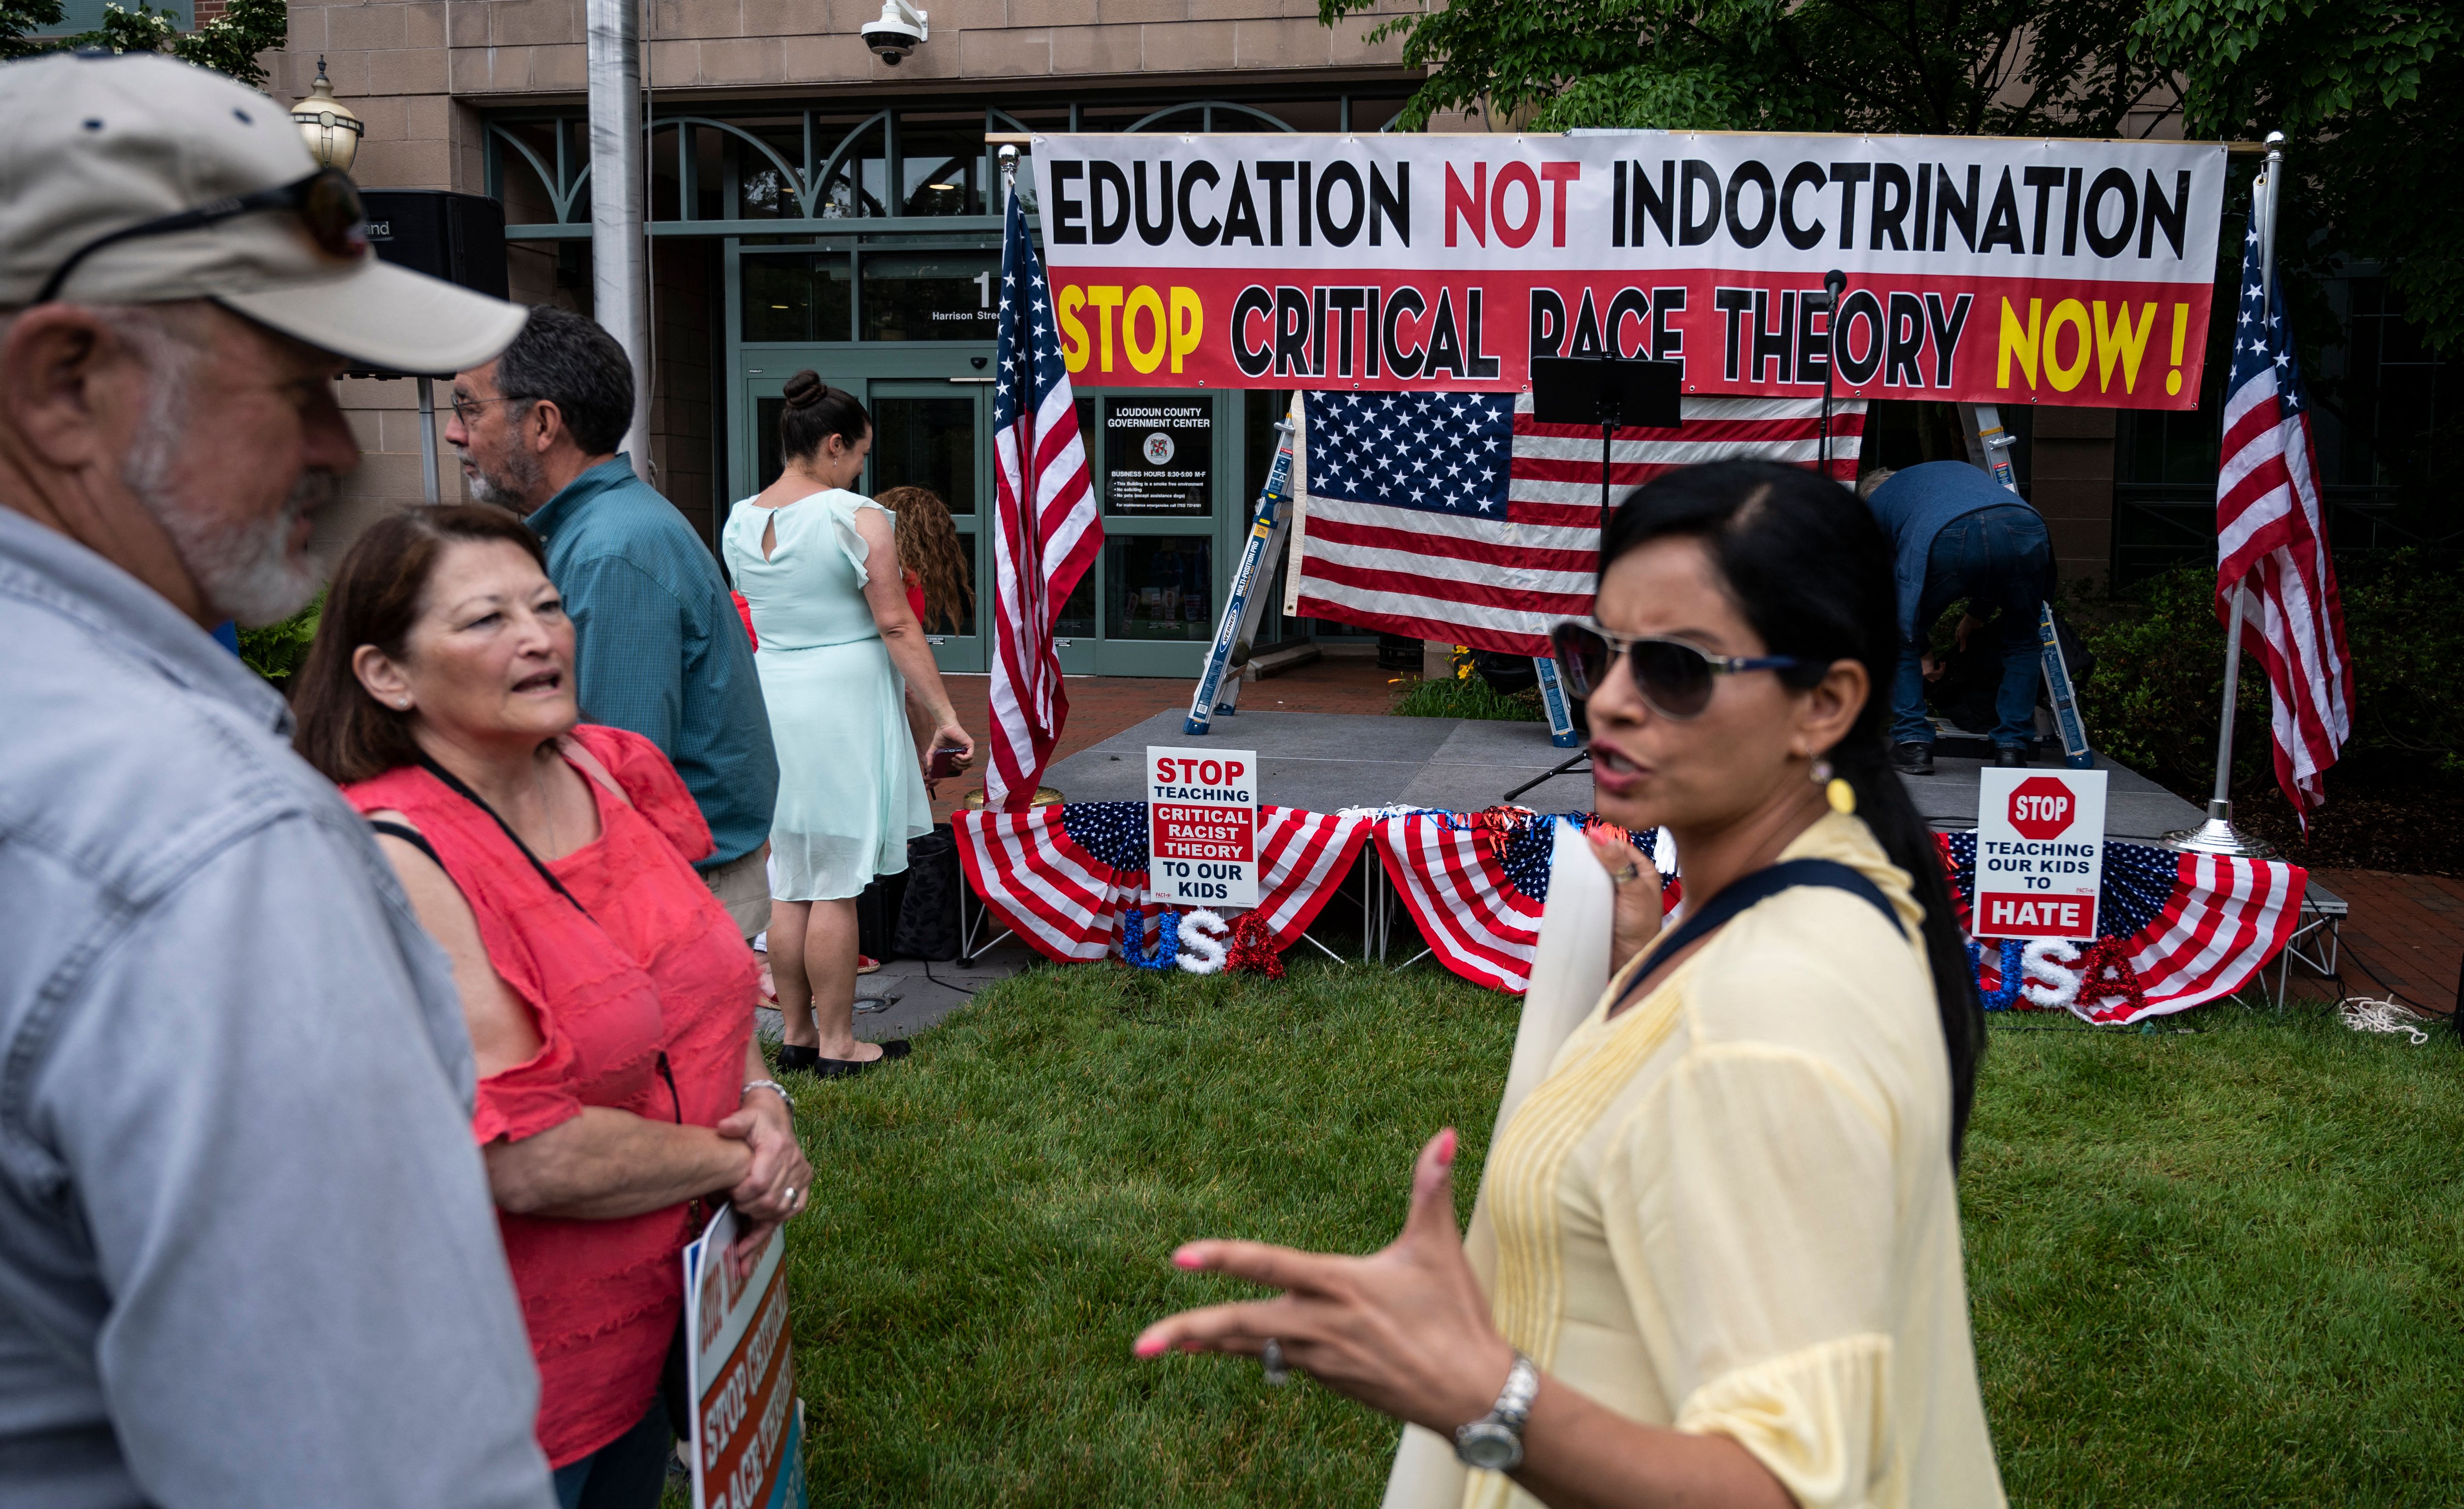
1716	1260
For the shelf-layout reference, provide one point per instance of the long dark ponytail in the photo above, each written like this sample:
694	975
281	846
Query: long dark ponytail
1811	570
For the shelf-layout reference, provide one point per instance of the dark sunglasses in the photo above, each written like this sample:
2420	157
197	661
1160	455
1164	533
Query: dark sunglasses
326	202
1674	677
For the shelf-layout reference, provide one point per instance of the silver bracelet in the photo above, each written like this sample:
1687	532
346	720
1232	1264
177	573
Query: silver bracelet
775	1088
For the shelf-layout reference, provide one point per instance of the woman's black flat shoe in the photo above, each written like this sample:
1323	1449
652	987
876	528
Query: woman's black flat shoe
809	1061
895	1049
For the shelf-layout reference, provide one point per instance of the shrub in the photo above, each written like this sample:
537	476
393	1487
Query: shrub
2154	699
1466	695
277	649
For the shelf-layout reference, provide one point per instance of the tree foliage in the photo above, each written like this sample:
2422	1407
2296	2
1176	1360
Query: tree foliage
2372	91
2369	91
230	43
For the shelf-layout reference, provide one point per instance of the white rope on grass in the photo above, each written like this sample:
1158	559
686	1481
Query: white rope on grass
2372	1013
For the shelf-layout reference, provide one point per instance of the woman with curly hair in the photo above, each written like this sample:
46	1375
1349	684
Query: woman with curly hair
933	560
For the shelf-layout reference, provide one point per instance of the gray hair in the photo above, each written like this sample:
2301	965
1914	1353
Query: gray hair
243	571
567	359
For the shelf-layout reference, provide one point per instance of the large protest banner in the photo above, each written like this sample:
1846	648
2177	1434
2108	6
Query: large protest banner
1980	268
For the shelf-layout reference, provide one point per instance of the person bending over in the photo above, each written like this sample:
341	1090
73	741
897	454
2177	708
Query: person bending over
620	1087
1716	1258
1956	533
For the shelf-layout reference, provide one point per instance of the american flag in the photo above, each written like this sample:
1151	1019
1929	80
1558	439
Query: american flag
1060	876
1458	517
2272	540
2197	925
1046	529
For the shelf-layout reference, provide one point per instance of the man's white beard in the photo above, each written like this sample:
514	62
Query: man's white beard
246	571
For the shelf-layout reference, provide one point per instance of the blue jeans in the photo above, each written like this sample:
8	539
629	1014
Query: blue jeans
1996	558
627	1472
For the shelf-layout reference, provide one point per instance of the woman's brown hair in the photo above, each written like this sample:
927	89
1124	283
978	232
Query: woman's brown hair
377	595
811	411
927	545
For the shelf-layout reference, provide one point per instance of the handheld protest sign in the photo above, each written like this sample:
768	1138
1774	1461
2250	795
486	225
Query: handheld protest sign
1202	825
2039	853
747	1430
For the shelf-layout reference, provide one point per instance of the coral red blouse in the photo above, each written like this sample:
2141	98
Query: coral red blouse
656	968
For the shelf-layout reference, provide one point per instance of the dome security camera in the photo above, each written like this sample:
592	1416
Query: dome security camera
899	32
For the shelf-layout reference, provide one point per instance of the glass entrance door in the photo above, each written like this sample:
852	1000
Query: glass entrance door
1164	464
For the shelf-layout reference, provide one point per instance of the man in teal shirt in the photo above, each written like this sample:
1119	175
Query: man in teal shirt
660	649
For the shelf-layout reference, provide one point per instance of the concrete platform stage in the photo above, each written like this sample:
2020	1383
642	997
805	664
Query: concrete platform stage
1326	761
1323	761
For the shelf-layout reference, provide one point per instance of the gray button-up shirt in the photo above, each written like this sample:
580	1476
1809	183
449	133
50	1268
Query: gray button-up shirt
247	1251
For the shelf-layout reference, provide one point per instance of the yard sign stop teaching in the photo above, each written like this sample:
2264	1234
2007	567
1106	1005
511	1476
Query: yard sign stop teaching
1405	282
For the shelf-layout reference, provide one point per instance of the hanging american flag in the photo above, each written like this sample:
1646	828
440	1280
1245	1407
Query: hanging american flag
1045	527
1458	517
2196	927
2271	539
1476	893
1059	875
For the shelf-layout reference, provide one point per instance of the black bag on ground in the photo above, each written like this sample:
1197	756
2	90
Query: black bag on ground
928	914
876	915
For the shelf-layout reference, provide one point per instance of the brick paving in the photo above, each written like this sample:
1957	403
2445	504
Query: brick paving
2405	935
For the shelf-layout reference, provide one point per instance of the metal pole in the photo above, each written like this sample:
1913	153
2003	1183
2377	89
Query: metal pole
427	438
619	267
2218	835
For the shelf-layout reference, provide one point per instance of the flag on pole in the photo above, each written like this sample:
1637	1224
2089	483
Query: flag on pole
1045	528
2272	540
1460	517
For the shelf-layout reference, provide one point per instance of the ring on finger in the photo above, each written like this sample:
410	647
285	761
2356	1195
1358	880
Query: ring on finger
1271	1362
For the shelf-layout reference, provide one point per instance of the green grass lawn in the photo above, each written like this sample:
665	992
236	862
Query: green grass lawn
2209	1268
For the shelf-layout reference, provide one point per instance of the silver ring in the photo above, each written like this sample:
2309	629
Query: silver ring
1271	1362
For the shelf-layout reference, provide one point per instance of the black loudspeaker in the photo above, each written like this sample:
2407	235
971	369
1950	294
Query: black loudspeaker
458	237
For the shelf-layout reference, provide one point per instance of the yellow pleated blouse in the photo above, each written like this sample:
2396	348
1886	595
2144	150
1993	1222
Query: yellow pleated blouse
1730	1209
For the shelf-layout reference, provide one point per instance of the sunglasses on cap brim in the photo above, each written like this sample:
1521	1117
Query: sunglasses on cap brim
326	202
1676	679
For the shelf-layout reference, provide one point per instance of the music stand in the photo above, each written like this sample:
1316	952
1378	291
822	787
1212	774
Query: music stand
1607	391
1614	394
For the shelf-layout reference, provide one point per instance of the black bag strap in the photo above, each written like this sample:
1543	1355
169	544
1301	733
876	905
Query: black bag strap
1748	890
453	783
408	835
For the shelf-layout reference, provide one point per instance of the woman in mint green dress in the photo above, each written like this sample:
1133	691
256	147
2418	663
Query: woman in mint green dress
840	654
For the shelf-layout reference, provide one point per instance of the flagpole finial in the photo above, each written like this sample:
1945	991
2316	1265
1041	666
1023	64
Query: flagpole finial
1009	159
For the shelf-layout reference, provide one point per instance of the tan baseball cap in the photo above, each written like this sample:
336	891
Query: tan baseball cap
96	142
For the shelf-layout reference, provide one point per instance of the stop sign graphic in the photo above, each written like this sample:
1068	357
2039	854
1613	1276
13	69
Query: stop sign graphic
2042	807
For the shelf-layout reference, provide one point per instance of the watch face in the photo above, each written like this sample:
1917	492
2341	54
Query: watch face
1487	1444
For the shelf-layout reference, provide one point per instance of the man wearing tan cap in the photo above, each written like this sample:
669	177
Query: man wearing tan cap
247	1251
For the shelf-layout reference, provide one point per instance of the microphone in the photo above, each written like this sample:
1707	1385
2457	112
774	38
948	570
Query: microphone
1834	283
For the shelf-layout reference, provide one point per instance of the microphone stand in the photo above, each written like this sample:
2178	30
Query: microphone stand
1834	283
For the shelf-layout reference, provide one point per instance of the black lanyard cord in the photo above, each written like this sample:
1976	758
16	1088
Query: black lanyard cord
455	784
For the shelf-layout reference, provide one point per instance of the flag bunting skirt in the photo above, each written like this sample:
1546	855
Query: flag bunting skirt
2175	930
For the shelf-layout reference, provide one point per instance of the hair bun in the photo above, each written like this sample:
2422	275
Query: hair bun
804	388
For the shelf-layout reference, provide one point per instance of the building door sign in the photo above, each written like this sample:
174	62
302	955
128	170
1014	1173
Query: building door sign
1203	826
2039	853
1158	458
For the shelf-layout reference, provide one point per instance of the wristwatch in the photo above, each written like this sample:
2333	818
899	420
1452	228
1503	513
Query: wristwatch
775	1088
1495	1440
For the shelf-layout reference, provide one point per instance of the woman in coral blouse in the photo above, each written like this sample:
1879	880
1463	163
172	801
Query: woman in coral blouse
620	1094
